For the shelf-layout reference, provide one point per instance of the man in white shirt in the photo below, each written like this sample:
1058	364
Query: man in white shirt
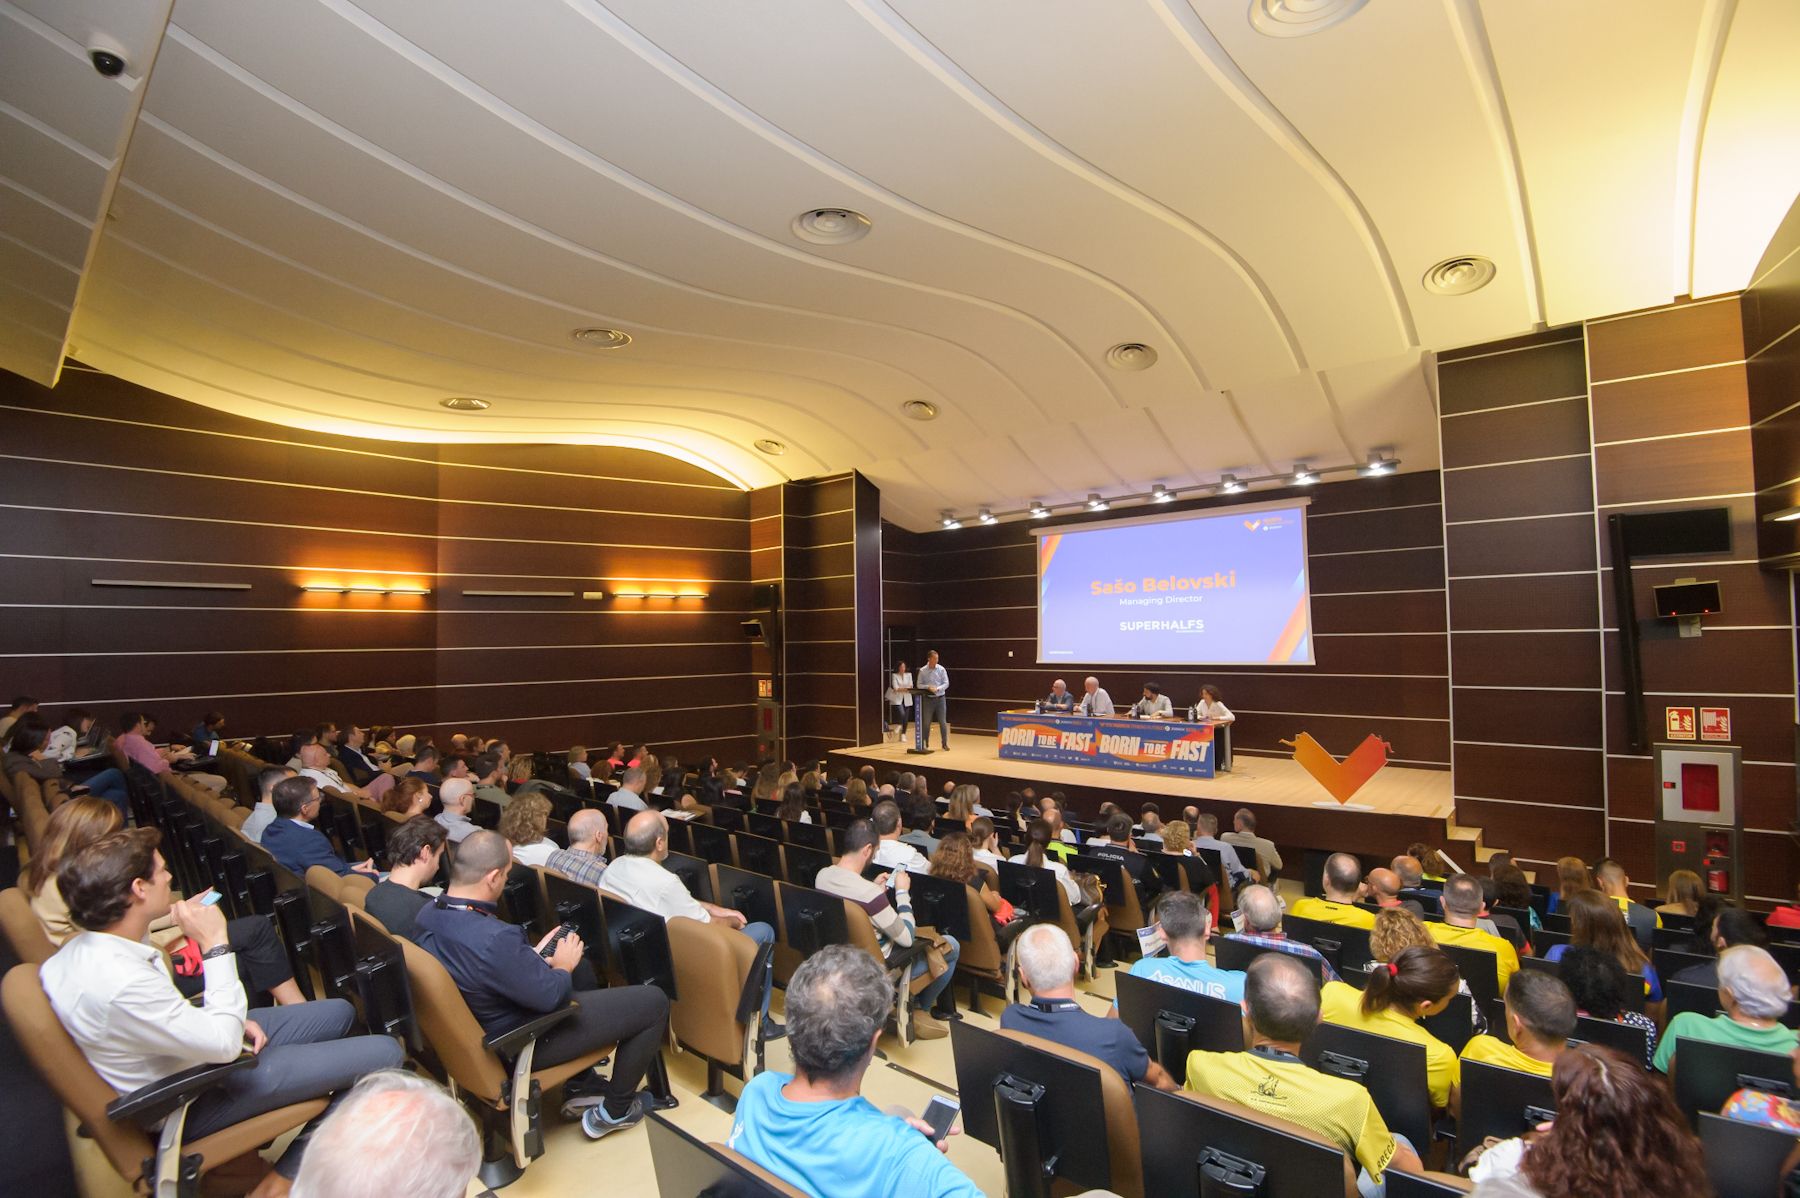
1094	700
458	797
112	991
891	852
935	707
263	814
1154	705
641	879
630	795
315	763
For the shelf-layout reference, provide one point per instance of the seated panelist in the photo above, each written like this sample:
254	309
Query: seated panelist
1059	698
1094	699
1211	707
1154	705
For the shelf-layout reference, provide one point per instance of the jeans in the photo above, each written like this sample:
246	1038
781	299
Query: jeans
935	709
306	1057
1367	1186
109	784
632	1017
763	934
927	998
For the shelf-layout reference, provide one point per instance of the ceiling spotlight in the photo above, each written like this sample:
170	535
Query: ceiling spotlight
1229	484
1095	503
1786	515
919	409
463	403
1302	476
1459	276
770	446
602	338
1160	494
1038	510
1297	18
1131	355
948	520
831	226
1380	464
986	516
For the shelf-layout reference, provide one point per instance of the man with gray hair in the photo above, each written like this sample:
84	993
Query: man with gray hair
630	795
1755	994
814	1129
1243	835
1206	836
1094	699
395	1133
584	860
1047	964
1259	923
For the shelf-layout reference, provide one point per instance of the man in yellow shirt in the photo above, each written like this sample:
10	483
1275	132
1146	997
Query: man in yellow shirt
1463	905
1540	1018
1281	1005
1343	886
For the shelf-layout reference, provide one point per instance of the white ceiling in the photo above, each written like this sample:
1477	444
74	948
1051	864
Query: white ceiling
333	215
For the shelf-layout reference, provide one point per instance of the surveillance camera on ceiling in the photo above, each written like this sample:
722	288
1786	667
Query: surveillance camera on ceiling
107	56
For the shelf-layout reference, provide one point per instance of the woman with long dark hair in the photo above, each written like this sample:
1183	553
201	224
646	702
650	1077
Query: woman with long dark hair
793	804
1596	922
1417	984
1617	1134
1602	990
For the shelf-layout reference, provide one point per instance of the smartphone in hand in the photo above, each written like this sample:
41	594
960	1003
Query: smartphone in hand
211	898
549	949
941	1113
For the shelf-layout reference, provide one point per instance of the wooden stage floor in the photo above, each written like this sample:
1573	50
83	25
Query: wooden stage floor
1398	806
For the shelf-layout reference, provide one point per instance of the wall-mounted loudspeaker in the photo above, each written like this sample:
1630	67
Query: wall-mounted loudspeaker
759	630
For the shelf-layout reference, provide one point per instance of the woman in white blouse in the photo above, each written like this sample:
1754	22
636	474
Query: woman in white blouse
1211	707
899	699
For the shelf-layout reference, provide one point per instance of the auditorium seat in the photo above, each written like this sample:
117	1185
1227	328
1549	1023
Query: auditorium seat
718	977
1425	1185
686	1165
34	801
119	1125
1393	1071
1499	1102
1183	1132
1706	1075
1742	1159
23	930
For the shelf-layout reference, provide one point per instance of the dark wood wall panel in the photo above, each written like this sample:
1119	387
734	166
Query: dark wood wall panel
1536	833
1679	469
1770	310
1540	430
1568	718
1519	490
163	490
1524	602
1668	405
1526	370
1675	338
1522	546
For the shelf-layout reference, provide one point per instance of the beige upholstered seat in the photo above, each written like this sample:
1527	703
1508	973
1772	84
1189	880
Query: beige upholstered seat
23	929
1119	1115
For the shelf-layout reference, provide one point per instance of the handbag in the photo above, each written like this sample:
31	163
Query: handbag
1092	889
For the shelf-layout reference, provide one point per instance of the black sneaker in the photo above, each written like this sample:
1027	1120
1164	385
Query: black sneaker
771	1030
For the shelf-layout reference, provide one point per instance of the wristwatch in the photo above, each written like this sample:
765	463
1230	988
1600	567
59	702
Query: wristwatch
223	950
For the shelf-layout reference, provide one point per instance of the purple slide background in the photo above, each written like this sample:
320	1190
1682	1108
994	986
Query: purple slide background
1242	624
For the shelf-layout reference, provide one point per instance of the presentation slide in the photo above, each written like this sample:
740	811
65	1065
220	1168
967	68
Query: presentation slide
1222	587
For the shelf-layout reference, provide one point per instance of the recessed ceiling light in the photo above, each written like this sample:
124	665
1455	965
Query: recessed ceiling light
1297	18
1229	484
986	517
1038	510
831	226
1095	503
1160	494
1131	355
919	409
1302	476
1379	464
602	338
770	446
1459	276
949	520
464	403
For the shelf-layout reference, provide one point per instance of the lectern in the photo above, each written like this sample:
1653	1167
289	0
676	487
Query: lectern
921	736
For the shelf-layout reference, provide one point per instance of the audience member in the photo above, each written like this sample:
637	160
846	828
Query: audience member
1596	922
1177	840
27	750
526	823
1427	857
1412	883
415	850
135	744
920	813
457	797
1281	1009
294	842
1186	926
112	991
1498	862
406	798
984	843
1512	889
1385	888
315	763
641	879
584	860
1343	886
1415	985
1571	878
1243	835
489	775
1047	963
1684	890
1117	845
1398	929
1788	914
1617	1134
630	794
1754	995
263	814
395	1133
1039	838
1613	883
813	1129
1464	905
955	862
1730	928
793	805
1602	990
888	904
893	852
1259	923
17	710
507	983
425	765
1207	837
1150	825
1540	1018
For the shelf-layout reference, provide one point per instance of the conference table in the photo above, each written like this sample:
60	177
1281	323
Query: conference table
1185	748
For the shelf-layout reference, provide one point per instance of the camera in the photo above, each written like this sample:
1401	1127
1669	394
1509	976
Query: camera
108	59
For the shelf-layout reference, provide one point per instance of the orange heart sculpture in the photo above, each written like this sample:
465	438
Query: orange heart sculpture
1340	778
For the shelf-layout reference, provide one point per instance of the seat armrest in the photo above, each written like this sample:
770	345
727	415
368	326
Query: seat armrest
508	1044
903	958
151	1104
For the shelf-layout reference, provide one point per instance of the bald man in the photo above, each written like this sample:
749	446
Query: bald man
1059	700
1384	888
1094	700
584	860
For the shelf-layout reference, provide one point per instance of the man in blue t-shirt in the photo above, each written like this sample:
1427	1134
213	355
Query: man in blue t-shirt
1186	924
814	1129
1047	967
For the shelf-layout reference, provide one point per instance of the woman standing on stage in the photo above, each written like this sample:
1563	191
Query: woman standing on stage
899	699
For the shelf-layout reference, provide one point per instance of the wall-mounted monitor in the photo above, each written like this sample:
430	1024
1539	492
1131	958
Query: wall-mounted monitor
1688	599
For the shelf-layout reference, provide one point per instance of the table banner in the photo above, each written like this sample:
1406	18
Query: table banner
1146	746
